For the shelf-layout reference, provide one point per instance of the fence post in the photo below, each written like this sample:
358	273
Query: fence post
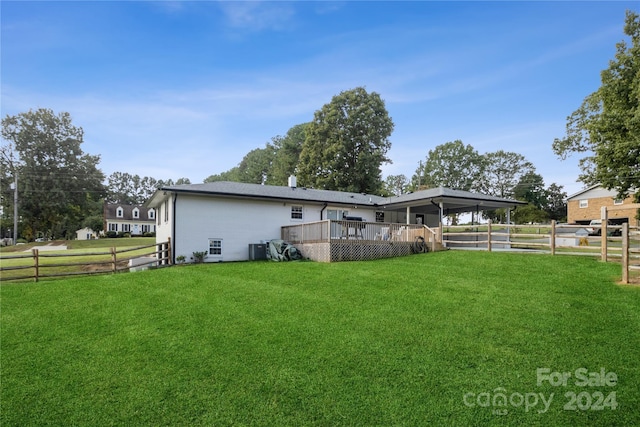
114	265
625	253
36	264
603	233
552	243
489	236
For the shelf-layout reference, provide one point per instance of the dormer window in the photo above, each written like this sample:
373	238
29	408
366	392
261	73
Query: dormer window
136	213
119	212
152	214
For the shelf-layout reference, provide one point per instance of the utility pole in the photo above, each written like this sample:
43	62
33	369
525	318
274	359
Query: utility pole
15	207
14	187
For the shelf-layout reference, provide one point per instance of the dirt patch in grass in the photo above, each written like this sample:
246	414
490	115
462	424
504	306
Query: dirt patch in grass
97	268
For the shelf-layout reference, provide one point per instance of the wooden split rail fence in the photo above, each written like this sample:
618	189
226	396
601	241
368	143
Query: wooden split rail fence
608	242
45	265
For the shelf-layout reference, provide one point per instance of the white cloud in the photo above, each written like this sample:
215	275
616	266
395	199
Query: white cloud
257	15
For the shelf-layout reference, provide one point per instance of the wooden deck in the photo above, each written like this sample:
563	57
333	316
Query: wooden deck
331	240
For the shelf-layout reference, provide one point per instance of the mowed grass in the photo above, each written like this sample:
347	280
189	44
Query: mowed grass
389	342
95	254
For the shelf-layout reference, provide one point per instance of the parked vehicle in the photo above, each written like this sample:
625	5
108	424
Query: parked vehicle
595	228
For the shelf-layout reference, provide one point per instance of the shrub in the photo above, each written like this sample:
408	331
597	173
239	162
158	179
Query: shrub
198	257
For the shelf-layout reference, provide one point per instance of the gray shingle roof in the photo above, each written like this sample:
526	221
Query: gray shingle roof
240	189
127	212
277	192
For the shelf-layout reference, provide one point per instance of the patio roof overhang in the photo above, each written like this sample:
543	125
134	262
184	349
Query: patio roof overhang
451	201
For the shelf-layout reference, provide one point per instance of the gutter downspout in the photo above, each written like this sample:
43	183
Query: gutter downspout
173	230
322	210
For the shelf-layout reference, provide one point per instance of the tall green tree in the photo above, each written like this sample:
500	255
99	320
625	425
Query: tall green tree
122	187
286	155
230	175
502	172
543	203
347	143
395	185
607	124
57	182
452	165
531	189
256	165
556	206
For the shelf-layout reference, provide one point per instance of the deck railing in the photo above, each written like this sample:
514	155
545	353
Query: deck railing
356	231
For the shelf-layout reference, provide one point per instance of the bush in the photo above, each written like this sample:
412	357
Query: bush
112	234
198	257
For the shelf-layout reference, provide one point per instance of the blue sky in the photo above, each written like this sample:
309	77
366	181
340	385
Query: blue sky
176	89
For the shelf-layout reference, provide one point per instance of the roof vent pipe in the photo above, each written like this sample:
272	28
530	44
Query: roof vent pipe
292	181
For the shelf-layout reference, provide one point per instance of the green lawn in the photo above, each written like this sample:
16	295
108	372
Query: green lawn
105	243
77	251
428	339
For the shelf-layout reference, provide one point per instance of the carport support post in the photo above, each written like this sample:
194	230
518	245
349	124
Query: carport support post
489	235
625	253
603	233
440	212
408	214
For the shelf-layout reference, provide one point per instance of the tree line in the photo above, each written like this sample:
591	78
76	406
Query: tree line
61	189
342	148
501	173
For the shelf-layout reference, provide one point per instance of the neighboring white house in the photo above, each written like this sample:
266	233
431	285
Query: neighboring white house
86	234
223	218
133	219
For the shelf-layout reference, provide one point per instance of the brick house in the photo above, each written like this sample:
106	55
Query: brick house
134	219
586	205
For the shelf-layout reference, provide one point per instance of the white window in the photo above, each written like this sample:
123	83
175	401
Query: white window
113	226
618	201
166	210
126	227
296	212
215	247
145	228
119	212
584	203
136	213
152	214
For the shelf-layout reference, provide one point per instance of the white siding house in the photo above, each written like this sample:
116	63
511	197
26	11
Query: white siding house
224	218
133	219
